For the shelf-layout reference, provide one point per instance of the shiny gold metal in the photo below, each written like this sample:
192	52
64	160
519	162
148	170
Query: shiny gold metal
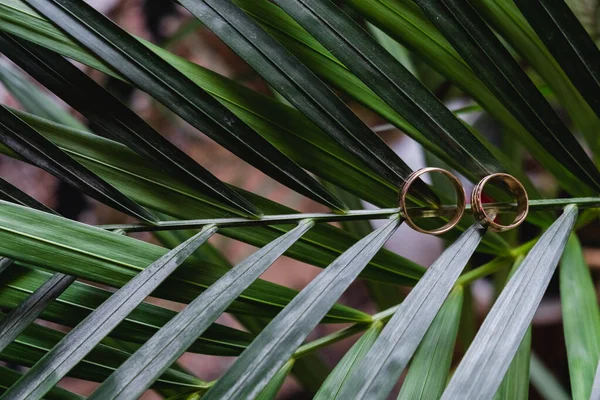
517	190
461	200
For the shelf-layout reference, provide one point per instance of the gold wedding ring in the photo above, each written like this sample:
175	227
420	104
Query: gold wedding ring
460	195
517	190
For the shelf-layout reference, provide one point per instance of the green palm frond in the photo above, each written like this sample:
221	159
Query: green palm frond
520	66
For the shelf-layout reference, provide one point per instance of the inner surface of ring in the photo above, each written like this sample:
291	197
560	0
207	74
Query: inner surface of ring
502	188
451	209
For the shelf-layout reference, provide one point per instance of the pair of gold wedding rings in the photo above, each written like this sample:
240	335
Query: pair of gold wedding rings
480	214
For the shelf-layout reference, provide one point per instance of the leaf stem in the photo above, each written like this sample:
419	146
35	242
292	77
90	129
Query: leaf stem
352	215
465	279
324	341
485	270
383	316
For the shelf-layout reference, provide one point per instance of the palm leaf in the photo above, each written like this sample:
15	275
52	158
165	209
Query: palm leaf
484	53
300	86
391	81
112	118
379	370
155	356
347	364
160	191
581	319
33	99
40	239
24	140
299	47
284	126
569	43
155	76
276	343
479	376
36	341
9	376
80	299
429	368
75	345
23	315
405	22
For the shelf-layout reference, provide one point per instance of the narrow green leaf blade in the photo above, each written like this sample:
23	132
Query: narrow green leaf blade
37	340
357	50
284	126
276	343
75	345
379	371
545	383
10	193
8	377
515	384
61	245
164	348
569	43
158	190
155	76
27	142
33	99
406	23
485	54
300	86
5	263
343	370
428	372
479	375
31	307
506	19
113	118
270	391
383	294
596	388
19	318
581	319
80	299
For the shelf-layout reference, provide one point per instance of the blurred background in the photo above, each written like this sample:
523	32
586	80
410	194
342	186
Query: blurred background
168	25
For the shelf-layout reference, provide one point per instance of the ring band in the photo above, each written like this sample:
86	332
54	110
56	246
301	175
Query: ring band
517	190
460	195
